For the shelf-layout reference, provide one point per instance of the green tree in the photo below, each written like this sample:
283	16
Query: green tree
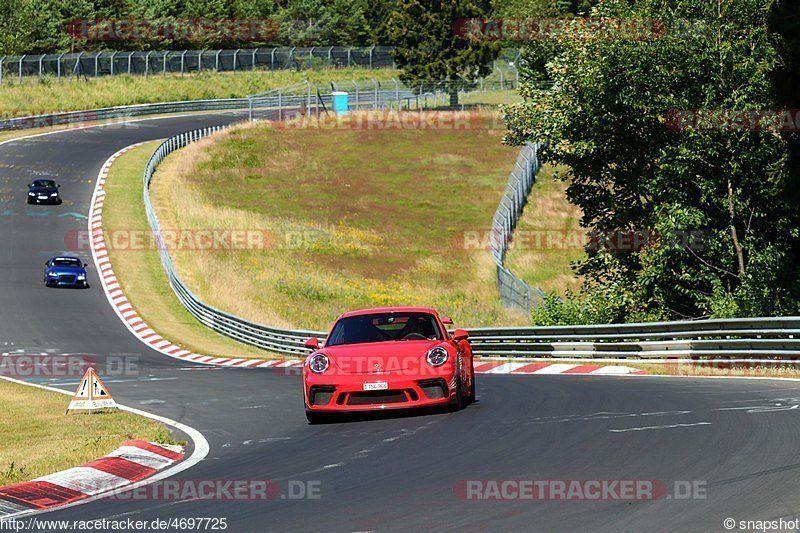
608	122
427	48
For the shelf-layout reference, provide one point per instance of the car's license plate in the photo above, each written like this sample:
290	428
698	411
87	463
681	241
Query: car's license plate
378	385
43	198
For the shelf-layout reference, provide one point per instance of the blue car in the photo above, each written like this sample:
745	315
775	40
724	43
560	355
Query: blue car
65	271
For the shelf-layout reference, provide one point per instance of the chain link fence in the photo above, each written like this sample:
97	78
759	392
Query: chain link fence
515	292
94	64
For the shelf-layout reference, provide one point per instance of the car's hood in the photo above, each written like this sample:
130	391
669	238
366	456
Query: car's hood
66	270
43	190
374	357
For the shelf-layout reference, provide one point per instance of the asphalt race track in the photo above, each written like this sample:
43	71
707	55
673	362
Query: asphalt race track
738	439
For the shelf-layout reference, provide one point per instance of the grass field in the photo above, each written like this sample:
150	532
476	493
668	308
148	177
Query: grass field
547	238
139	271
360	218
35	96
37	438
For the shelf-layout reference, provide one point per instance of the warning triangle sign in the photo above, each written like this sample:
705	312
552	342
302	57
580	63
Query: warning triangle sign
91	394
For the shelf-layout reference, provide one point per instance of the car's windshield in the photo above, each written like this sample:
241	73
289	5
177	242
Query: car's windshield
381	327
66	262
44	183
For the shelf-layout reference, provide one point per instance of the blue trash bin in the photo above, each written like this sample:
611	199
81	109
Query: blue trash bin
340	106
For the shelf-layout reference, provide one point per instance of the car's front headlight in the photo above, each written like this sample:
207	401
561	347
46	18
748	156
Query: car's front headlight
319	363
52	274
436	356
54	194
81	276
31	194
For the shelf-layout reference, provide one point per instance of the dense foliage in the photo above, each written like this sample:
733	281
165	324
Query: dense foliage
738	189
40	26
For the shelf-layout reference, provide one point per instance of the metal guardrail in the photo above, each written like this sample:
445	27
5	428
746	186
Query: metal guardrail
514	292
94	64
266	337
749	337
756	337
109	113
246	331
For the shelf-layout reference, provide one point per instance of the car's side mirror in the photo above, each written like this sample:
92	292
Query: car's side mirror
447	321
460	335
47	263
85	265
58	186
312	343
29	185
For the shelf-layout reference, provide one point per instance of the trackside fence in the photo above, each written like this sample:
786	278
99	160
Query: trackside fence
514	291
162	62
754	337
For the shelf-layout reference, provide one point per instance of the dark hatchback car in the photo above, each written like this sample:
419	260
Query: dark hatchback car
43	192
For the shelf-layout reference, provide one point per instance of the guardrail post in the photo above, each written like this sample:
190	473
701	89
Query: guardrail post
272	59
41	58
235	56
216	60
250	107
20	68
130	62
183	61
280	106
396	89
291	56
253	61
147	63
164	66
311	58
113	57
349	56
370	57
96	63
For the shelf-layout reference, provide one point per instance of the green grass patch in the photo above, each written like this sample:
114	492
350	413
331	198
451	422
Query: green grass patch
35	96
37	438
360	218
548	240
140	273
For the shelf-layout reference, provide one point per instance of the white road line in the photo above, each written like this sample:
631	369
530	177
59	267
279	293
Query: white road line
670	426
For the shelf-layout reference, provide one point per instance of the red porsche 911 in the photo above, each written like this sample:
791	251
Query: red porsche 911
388	358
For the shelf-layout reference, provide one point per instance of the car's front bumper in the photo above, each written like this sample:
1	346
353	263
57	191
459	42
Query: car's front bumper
347	392
55	282
48	200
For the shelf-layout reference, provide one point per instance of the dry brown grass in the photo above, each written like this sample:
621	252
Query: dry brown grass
381	229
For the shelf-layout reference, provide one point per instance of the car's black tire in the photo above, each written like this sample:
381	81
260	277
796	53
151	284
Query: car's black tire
314	417
472	396
459	402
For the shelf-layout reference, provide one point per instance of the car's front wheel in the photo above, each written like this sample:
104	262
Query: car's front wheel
459	402
314	417
472	395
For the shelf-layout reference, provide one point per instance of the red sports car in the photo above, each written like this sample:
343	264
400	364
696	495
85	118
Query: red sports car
388	358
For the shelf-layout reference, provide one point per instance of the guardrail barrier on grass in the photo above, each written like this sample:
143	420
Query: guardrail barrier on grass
755	337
